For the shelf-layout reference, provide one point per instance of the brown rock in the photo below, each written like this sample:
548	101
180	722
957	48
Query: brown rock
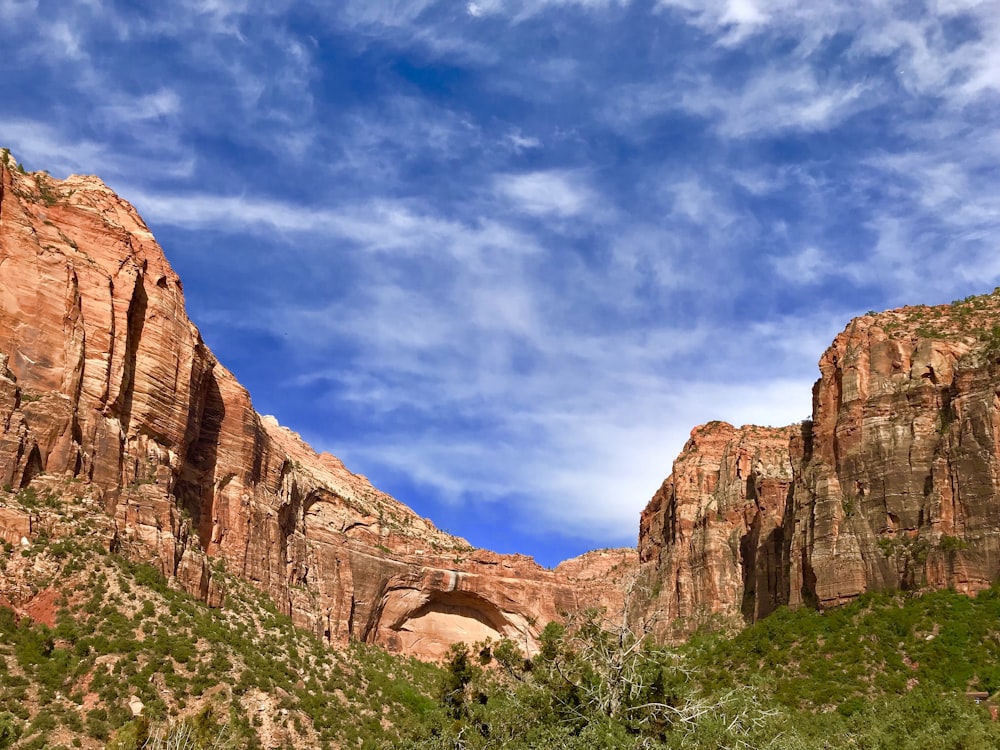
711	540
103	378
896	480
899	488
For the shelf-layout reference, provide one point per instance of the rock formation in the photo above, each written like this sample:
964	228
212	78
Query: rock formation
712	538
893	484
107	388
109	397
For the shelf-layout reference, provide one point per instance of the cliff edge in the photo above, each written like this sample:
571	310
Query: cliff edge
893	484
109	395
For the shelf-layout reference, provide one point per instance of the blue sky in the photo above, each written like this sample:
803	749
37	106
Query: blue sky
501	257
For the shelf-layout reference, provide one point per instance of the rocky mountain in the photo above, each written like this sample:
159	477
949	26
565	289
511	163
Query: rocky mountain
893	484
110	400
711	540
109	396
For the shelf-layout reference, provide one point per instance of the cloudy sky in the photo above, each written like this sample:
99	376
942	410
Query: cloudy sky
500	256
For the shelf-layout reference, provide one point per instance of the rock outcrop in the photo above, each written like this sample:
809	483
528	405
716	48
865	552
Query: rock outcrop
893	484
105	381
712	538
899	481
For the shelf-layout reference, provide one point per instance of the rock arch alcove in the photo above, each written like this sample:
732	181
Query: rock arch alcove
426	623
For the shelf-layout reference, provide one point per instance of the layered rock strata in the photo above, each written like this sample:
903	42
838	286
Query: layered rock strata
109	398
712	540
893	484
105	381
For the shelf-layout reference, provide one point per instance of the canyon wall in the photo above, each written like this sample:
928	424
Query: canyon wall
712	540
893	484
109	394
109	397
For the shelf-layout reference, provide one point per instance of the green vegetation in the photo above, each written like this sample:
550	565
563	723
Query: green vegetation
881	645
7	159
39	187
122	635
45	190
884	672
971	320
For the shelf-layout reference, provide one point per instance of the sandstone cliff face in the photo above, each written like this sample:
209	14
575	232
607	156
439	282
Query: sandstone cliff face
892	485
105	381
712	538
109	396
898	487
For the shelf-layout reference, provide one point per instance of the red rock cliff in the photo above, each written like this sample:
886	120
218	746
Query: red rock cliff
894	484
899	486
103	379
711	540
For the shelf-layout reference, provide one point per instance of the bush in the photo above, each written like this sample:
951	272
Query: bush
10	729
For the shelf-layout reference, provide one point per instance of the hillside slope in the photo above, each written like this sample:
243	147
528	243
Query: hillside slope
107	654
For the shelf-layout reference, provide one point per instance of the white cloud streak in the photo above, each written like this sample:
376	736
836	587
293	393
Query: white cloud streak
546	193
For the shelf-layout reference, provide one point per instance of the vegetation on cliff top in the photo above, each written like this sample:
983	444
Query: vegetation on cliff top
973	318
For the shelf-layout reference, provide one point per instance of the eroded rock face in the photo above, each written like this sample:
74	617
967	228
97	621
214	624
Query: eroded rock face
712	538
899	485
105	382
892	485
103	379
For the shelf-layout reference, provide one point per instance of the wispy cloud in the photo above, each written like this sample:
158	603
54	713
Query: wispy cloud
807	266
380	227
546	193
43	146
775	101
514	250
521	142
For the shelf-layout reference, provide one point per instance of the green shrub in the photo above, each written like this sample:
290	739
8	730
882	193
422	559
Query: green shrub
10	729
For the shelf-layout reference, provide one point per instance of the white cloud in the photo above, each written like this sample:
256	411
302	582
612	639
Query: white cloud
66	41
43	146
382	139
743	12
521	10
13	9
775	101
391	227
555	193
694	201
590	471
494	340
604	414
808	266
522	143
155	106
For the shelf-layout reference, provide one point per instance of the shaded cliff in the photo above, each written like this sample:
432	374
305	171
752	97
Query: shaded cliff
105	382
893	484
